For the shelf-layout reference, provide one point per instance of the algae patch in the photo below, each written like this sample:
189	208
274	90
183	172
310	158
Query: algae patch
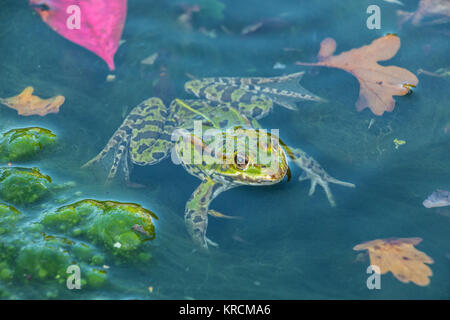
38	254
25	144
22	186
105	224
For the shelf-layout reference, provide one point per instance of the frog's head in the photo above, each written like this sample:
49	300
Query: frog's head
242	157
194	87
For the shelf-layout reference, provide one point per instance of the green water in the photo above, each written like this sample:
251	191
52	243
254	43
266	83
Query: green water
288	245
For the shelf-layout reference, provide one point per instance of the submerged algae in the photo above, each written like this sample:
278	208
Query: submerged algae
29	256
21	186
49	257
40	259
107	224
8	218
25	143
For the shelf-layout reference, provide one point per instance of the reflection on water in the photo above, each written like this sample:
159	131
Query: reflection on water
287	245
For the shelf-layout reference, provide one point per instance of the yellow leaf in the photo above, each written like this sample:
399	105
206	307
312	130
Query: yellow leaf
399	256
27	104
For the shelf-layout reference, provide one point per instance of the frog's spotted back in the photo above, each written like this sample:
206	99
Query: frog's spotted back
213	114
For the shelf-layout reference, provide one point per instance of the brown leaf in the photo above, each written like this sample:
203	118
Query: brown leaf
378	84
27	104
399	256
327	48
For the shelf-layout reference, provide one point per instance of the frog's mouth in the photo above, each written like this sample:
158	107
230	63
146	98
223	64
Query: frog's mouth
260	175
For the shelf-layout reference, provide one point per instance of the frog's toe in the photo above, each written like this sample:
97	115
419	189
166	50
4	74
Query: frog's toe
325	186
312	188
211	243
218	214
304	176
327	190
342	183
89	163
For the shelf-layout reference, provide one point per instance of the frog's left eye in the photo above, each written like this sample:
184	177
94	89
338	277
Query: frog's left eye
241	161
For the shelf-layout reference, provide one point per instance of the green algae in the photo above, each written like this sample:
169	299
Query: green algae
25	143
47	261
37	254
121	229
8	218
22	186
39	260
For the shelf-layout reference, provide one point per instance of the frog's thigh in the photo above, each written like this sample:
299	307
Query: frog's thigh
150	153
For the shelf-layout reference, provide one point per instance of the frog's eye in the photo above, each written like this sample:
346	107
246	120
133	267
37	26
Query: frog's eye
241	161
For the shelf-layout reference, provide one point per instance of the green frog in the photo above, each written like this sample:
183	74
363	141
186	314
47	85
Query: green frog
216	138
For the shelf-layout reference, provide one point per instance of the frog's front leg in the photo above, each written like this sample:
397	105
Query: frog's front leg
196	212
313	170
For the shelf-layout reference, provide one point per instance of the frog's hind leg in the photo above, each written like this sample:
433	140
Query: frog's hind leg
151	139
196	212
117	138
284	90
142	138
313	171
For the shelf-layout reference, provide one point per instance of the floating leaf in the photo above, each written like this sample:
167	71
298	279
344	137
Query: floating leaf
395	1
150	59
378	84
437	9
399	256
251	28
27	104
439	198
100	23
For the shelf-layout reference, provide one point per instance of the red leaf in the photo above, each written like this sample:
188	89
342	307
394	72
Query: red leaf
100	27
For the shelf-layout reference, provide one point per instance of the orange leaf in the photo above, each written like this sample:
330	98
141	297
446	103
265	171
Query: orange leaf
399	256
27	104
378	84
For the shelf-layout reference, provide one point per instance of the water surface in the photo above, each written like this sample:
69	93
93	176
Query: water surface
288	245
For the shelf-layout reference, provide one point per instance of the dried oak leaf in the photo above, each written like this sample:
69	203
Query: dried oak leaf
378	84
27	104
399	256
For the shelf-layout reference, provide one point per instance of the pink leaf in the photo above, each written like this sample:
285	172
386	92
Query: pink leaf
93	24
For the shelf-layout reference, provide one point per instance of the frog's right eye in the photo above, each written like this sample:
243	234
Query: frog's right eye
241	161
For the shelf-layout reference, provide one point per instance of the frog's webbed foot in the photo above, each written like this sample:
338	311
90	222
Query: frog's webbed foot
313	171
211	243
118	147
323	181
